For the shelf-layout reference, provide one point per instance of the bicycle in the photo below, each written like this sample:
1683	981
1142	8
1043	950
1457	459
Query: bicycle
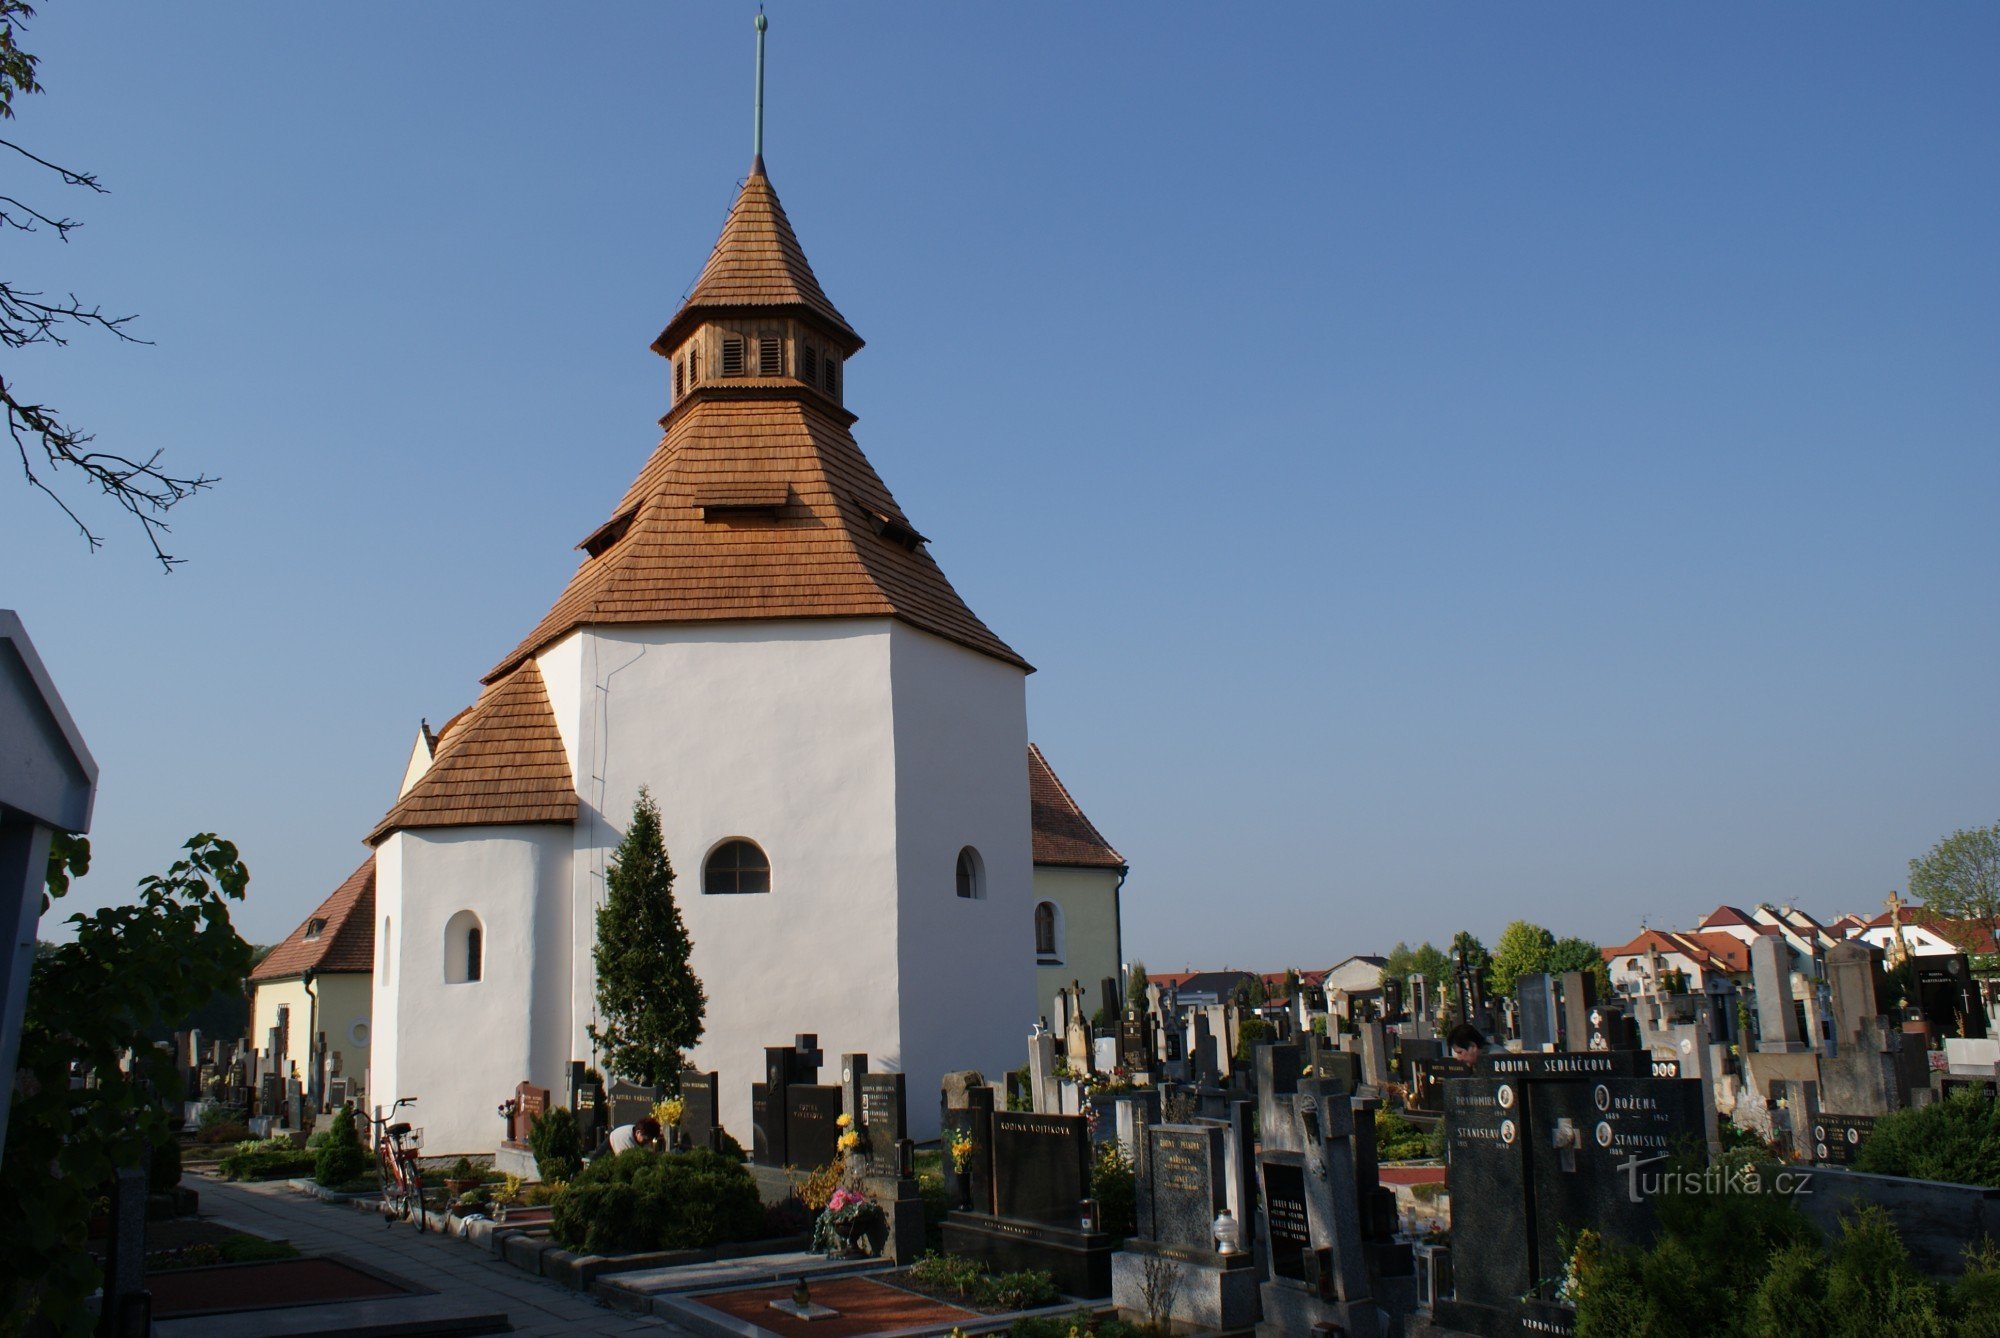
402	1175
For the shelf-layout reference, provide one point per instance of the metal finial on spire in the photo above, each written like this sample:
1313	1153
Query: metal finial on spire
757	131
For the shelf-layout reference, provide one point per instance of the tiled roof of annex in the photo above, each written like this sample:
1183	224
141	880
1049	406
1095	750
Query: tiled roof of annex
338	936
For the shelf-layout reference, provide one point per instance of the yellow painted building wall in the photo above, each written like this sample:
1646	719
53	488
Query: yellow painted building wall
344	1001
1086	936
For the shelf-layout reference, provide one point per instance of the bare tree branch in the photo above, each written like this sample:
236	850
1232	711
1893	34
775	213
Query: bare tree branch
146	491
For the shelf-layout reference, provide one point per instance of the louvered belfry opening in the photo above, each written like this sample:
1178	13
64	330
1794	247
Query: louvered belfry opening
732	356
770	356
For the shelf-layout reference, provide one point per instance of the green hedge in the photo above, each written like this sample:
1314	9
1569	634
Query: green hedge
267	1164
646	1200
339	1158
1956	1139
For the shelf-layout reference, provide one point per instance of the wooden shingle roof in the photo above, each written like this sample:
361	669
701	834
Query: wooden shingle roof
1063	835
499	762
757	264
829	550
338	936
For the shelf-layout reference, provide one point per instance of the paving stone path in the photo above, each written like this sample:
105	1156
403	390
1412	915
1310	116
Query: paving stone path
467	1280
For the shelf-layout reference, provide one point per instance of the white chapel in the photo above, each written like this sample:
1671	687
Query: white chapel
836	742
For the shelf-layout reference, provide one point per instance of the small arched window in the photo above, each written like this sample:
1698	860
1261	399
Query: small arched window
464	949
1048	934
737	866
971	875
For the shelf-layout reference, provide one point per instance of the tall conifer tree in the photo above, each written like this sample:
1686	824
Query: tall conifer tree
649	1000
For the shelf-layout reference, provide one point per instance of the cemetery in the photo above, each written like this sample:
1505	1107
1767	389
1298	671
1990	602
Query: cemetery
877	1059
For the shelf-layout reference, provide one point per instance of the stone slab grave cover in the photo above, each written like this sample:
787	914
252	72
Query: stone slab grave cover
1539	1147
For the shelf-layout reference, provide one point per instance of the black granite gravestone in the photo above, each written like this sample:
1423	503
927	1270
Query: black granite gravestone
1837	1139
699	1124
1949	997
812	1128
884	1122
1039	1180
1041	1166
1540	1146
1287	1232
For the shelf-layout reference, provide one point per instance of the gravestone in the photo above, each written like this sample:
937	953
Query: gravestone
1135	1041
1040	1184
1204	1051
1535	999
1837	1139
629	1102
699	1125
812	1124
771	1106
1312	1232
888	1173
1538	1147
529	1103
1611	1028
1042	1071
1579	992
1777	1015
1392	999
1182	1193
1373	1052
1859	987
1948	996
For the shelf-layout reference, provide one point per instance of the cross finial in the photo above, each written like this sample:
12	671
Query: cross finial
757	125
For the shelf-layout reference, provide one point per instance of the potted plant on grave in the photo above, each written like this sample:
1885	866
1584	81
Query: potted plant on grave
461	1178
844	1225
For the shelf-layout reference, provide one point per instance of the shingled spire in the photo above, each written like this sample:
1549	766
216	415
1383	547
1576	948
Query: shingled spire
757	269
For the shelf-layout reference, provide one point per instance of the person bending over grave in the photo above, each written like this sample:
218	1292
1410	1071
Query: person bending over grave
1465	1043
642	1134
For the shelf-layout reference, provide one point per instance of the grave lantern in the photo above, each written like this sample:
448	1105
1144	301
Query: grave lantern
1228	1235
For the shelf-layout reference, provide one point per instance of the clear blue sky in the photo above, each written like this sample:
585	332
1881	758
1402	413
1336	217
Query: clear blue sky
1448	462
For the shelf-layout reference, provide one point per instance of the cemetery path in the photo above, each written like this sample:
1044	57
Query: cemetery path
469	1278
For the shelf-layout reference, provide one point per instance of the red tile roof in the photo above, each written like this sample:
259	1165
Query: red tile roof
500	762
345	940
1711	951
1063	835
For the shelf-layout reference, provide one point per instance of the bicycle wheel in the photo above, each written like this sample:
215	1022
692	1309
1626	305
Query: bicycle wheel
391	1183
416	1194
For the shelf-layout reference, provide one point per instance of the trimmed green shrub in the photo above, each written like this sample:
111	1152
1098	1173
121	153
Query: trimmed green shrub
267	1163
340	1158
1111	1184
1396	1139
557	1143
1251	1033
1955	1139
647	1200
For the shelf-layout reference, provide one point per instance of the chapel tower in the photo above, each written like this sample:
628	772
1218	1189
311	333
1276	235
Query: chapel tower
759	636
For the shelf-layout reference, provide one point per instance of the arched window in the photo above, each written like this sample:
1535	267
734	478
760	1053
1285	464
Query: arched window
971	874
1048	934
737	866
464	949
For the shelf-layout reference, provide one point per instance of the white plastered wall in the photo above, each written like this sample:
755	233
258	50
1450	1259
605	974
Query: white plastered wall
1088	942
779	732
461	1048
966	967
